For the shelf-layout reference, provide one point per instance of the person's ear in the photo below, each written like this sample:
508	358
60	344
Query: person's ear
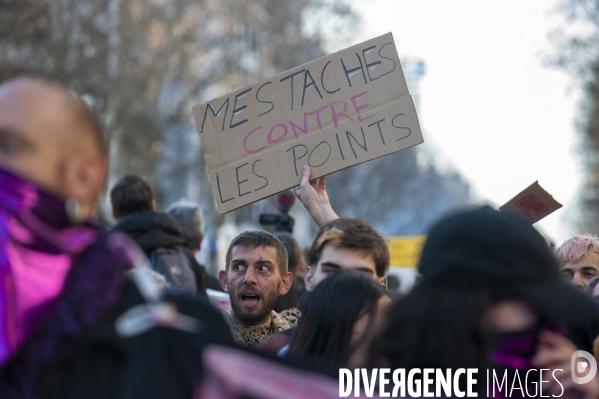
222	277
84	180
309	278
286	283
115	215
382	281
154	207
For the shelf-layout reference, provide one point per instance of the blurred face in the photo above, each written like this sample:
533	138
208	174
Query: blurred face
30	141
335	259
42	141
363	332
510	316
254	282
581	272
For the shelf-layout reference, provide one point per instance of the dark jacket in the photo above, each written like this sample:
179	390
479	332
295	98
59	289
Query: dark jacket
151	230
159	236
158	364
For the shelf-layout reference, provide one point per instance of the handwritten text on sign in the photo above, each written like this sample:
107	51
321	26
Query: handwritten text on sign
332	113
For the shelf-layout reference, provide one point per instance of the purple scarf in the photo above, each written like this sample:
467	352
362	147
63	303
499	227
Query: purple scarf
51	274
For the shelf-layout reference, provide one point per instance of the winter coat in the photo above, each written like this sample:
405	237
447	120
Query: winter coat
159	236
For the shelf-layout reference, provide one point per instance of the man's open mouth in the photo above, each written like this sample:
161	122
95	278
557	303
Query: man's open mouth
250	300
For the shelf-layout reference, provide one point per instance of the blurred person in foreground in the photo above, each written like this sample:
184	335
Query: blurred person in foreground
578	260
190	219
491	298
255	275
157	233
62	278
296	268
339	320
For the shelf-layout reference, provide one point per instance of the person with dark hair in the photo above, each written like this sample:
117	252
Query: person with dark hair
157	233
296	267
339	319
189	217
255	275
491	298
131	194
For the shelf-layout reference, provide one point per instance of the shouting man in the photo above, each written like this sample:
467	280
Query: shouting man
255	275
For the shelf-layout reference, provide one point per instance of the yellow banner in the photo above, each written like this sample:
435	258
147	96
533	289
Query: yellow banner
405	250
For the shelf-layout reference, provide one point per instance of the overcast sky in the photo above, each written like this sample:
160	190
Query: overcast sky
498	113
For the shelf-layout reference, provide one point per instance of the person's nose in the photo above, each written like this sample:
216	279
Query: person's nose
250	276
578	281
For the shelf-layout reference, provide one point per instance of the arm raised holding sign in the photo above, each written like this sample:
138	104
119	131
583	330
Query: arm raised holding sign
313	194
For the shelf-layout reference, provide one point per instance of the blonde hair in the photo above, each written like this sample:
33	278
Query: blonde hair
353	234
332	236
577	247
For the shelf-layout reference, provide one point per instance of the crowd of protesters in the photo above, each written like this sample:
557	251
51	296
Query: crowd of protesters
90	311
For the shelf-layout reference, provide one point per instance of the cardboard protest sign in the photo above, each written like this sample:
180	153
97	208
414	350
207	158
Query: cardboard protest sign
332	113
534	203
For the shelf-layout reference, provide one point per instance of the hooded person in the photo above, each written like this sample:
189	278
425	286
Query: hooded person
491	299
506	251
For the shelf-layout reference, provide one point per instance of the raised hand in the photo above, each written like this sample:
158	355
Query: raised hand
313	194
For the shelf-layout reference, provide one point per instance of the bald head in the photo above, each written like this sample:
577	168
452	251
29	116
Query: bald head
30	94
49	136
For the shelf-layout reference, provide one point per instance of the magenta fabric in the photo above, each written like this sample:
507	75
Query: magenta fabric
37	248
